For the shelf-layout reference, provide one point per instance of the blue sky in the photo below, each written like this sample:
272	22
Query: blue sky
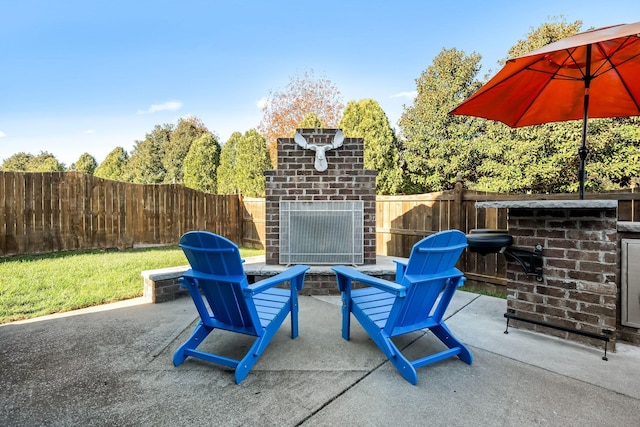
91	75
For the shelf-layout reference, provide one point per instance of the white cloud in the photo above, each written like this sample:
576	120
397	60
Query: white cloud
89	131
2	134
166	106
262	102
409	95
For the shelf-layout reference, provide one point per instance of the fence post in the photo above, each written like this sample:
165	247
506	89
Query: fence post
240	220
457	219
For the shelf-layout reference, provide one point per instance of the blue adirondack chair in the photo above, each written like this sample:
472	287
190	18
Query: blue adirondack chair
233	304
386	309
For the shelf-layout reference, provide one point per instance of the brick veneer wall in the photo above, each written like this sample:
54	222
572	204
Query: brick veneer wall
163	284
296	179
579	289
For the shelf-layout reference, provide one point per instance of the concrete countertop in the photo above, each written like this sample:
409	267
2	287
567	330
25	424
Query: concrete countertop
550	204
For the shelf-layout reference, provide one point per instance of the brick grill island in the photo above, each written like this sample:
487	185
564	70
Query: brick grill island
579	288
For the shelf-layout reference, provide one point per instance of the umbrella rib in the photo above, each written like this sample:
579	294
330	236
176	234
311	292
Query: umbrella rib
614	68
626	88
557	75
524	110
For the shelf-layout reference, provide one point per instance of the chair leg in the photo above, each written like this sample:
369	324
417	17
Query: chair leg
246	364
293	308
346	316
444	334
405	368
199	334
384	343
397	359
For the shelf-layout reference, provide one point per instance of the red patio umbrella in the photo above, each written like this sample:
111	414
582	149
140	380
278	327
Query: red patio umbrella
591	74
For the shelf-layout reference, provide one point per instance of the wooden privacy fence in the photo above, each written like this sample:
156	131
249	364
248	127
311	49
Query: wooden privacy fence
253	222
48	212
57	211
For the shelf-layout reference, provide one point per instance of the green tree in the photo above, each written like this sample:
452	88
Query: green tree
437	146
227	180
27	162
614	160
114	165
187	130
201	164
45	162
533	159
145	166
86	163
17	162
365	119
311	121
494	157
536	159
543	35
252	159
285	109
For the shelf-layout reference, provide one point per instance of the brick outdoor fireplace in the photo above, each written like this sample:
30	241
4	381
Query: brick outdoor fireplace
321	210
320	217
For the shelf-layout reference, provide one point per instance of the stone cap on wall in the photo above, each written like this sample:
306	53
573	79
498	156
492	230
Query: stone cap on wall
549	204
628	226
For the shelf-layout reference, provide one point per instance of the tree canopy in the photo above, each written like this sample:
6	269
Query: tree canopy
286	109
311	121
201	164
145	165
429	150
176	148
86	163
252	159
227	181
491	156
365	119
27	162
437	146
114	165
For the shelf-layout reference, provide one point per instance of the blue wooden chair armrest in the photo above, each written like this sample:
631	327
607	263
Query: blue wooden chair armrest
291	274
381	284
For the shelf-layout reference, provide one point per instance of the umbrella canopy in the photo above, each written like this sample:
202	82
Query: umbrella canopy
591	74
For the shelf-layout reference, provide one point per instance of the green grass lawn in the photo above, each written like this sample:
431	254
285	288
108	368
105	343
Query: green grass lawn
35	285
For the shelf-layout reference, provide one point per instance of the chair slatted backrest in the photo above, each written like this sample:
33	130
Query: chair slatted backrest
431	263
217	265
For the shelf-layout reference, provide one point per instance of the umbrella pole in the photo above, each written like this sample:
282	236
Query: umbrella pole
583	151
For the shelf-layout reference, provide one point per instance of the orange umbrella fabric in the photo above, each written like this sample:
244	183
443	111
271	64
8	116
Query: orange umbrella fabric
591	74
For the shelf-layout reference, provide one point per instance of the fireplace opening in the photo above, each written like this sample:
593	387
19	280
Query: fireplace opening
321	232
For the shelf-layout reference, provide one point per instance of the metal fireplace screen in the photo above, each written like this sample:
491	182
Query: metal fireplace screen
321	232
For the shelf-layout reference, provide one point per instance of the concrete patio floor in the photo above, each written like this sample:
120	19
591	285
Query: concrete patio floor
112	365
